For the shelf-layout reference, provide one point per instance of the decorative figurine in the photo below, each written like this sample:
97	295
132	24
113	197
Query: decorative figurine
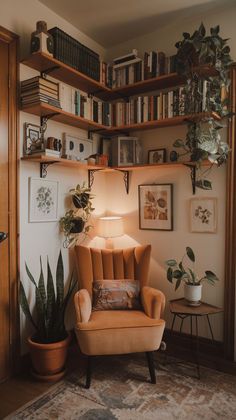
41	40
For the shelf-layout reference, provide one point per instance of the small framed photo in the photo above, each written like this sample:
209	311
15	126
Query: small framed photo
203	215
156	206
157	156
33	139
43	200
124	151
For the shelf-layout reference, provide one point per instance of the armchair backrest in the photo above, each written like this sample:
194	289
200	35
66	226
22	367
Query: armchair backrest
118	264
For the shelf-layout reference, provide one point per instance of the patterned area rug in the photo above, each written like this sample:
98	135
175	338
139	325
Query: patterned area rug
121	390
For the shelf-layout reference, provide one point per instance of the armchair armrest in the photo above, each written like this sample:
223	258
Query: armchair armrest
83	305
153	302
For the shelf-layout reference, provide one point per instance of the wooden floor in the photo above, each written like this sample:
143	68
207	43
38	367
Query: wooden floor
21	389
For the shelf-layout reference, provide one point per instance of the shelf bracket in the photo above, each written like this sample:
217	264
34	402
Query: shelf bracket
43	168
126	179
44	119
49	70
91	173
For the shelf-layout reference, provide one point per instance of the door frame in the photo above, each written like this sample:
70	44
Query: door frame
230	230
13	120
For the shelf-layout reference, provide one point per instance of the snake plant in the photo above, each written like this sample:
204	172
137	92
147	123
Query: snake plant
50	304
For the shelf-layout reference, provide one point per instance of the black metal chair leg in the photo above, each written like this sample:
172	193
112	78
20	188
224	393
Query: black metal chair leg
151	366
88	372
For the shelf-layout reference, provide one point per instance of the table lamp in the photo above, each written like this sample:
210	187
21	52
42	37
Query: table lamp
110	227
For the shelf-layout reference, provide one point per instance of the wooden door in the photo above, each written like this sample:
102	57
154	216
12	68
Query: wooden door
9	325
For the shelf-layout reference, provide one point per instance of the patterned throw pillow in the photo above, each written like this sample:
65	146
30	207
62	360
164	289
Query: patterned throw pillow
116	294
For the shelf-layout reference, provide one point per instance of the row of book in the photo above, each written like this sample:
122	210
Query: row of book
130	68
83	105
156	107
39	89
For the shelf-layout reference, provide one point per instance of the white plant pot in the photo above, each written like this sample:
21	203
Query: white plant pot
193	294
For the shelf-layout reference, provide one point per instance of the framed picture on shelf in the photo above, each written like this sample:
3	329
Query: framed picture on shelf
33	139
157	156
43	200
124	151
156	206
203	215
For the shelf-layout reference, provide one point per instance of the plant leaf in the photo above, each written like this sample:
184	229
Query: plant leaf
25	306
30	275
60	280
169	274
177	274
211	276
190	253
41	285
50	297
178	283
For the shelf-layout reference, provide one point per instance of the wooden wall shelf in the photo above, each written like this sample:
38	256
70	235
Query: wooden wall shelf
45	110
56	114
45	63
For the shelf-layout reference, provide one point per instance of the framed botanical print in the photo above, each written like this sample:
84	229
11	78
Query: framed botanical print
156	206
43	200
203	214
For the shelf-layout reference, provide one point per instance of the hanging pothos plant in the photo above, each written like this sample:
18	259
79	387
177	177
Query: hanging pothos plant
204	61
75	221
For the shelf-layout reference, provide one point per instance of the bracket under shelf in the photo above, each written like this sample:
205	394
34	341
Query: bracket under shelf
44	168
126	177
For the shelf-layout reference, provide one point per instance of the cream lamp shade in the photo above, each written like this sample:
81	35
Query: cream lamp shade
110	226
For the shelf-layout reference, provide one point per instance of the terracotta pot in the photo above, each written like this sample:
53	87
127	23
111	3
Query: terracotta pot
48	360
193	294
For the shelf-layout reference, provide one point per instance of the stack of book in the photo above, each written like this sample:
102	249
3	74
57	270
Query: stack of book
39	89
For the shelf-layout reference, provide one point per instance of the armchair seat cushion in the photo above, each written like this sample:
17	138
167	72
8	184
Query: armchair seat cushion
119	332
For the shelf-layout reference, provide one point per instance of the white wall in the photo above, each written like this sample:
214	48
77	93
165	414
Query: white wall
209	248
43	238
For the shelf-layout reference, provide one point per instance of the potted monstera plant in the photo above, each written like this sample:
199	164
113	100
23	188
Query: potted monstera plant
49	343
203	61
192	282
75	220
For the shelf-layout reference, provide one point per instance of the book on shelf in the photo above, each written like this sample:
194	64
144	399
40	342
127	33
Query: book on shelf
125	58
39	89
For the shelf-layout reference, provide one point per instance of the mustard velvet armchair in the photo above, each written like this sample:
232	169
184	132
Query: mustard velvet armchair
110	332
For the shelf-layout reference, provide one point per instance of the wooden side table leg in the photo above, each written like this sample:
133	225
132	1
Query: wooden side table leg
173	323
208	320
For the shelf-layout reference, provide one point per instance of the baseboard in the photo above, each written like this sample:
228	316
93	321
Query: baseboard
211	354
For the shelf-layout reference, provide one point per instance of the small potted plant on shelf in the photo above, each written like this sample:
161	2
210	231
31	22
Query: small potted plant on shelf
75	220
203	61
49	343
192	283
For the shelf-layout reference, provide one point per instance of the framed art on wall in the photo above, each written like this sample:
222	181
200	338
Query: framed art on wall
43	200
156	206
157	156
203	214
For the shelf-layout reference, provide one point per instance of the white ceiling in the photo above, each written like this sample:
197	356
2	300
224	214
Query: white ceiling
111	22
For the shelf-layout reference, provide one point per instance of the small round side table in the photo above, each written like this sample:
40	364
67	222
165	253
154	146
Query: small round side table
180	309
